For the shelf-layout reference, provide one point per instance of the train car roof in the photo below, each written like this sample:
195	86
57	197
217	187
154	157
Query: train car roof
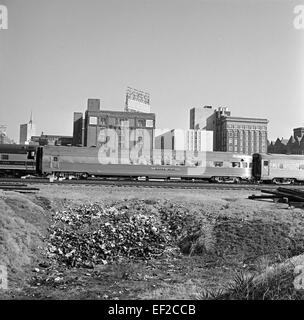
219	155
16	148
282	156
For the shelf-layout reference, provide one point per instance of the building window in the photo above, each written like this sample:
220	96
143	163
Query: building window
4	157
149	123
93	120
31	155
140	122
103	121
112	121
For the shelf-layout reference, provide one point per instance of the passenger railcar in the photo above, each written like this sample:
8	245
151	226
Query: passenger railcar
17	160
278	168
214	166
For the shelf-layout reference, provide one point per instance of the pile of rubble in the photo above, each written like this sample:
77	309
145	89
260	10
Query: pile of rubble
99	234
294	197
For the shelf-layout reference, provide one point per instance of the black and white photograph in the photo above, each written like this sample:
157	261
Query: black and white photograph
151	151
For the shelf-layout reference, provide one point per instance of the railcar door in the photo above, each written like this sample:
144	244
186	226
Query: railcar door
55	162
266	166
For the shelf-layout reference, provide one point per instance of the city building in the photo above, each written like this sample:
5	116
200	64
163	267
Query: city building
237	134
27	130
184	140
298	132
51	140
121	134
4	139
293	145
199	116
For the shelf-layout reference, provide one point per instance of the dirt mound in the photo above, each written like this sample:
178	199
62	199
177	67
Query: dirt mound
250	239
23	225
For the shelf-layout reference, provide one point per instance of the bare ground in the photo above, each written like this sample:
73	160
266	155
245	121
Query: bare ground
240	234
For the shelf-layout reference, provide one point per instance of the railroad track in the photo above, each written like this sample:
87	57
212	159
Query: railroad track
17	187
7	183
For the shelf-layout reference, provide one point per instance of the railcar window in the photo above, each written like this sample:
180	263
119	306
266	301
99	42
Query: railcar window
31	155
218	163
236	164
245	164
266	163
55	158
281	166
301	166
4	157
250	165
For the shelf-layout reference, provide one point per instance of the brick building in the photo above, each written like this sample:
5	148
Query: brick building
293	145
237	134
119	133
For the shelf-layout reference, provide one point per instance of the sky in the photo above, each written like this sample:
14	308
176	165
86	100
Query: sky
242	54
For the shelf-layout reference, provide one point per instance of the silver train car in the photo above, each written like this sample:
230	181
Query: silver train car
278	168
92	161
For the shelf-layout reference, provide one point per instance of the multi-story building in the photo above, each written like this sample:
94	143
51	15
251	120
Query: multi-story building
199	116
298	132
4	139
184	140
120	134
27	130
237	134
293	145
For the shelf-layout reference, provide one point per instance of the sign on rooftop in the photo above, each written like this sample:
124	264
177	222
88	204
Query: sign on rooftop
137	101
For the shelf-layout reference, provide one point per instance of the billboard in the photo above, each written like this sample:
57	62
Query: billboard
138	101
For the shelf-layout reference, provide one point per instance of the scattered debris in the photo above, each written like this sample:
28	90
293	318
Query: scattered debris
96	234
294	197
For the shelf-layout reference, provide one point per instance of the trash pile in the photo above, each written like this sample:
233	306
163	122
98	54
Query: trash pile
97	234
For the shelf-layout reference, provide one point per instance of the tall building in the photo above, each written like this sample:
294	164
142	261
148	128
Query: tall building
213	124
237	134
120	134
27	130
293	145
4	139
184	140
78	129
298	132
199	116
